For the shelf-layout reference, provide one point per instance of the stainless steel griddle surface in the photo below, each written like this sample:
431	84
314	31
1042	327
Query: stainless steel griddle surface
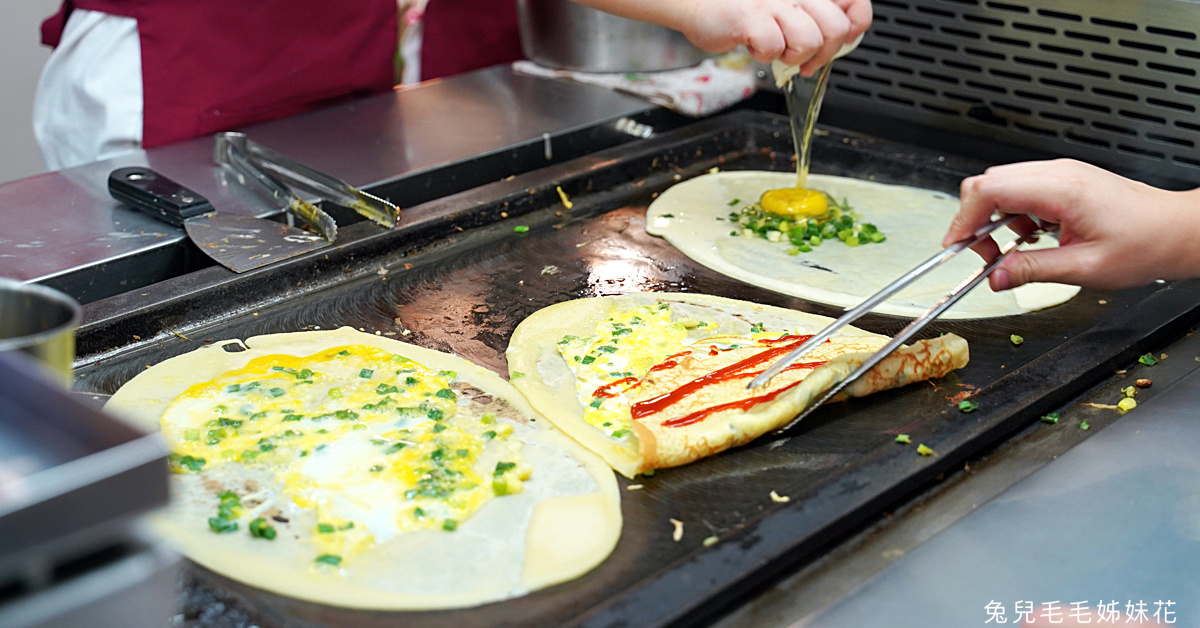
455	277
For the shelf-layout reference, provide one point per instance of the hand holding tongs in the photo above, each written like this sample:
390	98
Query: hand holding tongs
896	286
274	176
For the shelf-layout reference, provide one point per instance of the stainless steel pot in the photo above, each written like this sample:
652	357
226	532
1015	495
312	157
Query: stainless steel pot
39	321
562	34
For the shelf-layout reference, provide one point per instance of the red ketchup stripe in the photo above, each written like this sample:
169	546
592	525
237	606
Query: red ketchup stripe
744	404
658	404
606	392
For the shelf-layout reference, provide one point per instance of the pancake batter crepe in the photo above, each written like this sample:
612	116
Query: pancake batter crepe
652	380
359	471
695	217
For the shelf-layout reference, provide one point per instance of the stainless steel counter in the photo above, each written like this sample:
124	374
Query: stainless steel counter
63	221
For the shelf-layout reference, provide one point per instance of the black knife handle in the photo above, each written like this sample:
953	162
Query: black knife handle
148	191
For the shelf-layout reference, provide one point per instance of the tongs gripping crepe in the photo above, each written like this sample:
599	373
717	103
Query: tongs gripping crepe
917	325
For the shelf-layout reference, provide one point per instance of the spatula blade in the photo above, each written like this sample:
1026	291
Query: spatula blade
242	243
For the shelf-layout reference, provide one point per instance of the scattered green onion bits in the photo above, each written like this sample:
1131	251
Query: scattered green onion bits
1148	359
260	529
1083	425
923	450
967	405
521	229
903	439
1050	418
839	223
1016	340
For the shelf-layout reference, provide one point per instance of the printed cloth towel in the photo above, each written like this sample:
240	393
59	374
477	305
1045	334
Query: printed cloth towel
699	90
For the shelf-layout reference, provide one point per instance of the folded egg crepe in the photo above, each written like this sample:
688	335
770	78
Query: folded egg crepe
651	380
359	471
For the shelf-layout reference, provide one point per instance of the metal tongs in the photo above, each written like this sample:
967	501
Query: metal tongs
917	325
276	178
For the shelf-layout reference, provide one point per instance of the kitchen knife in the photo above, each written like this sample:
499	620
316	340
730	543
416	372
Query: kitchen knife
239	243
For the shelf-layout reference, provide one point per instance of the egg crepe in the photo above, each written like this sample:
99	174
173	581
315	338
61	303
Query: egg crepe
653	380
694	216
358	471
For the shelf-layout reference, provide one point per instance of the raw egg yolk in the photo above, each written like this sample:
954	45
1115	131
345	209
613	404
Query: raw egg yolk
794	202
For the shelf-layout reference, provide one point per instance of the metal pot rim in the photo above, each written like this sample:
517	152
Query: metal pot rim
20	342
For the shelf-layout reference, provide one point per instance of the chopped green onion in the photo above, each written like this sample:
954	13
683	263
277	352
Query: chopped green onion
903	439
1016	340
366	373
620	433
967	406
344	352
335	393
329	559
449	525
260	529
221	526
924	451
445	393
276	392
520	229
503	467
734	202
1129	391
1148	359
757	327
1083	425
1050	418
325	528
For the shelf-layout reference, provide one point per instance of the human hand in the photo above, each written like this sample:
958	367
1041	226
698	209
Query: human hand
807	33
1114	232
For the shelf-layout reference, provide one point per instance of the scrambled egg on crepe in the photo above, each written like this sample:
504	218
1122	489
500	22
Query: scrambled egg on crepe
360	471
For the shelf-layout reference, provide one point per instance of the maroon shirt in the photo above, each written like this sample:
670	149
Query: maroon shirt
214	65
463	35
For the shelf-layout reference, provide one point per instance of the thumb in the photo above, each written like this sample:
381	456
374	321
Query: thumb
1064	264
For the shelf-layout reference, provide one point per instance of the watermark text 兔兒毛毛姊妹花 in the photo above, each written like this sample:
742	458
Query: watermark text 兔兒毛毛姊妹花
1112	612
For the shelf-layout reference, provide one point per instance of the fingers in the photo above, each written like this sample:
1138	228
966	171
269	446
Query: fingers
860	14
1079	264
805	33
834	26
1036	188
802	36
765	39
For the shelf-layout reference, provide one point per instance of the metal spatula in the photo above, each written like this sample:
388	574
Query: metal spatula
237	242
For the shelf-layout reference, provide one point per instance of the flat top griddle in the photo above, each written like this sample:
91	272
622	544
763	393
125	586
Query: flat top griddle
458	278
